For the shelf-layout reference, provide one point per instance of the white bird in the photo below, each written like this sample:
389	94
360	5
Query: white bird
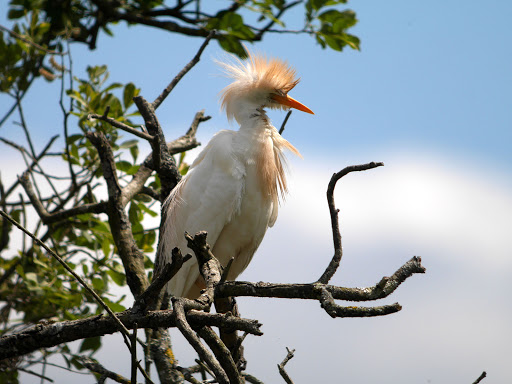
232	189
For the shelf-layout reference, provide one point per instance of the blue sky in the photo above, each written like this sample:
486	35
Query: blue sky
430	95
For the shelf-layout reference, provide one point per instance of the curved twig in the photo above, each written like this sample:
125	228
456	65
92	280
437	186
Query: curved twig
336	236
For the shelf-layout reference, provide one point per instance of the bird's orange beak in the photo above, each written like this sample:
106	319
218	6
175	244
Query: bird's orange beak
291	102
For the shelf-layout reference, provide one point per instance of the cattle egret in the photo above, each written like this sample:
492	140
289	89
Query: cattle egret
232	189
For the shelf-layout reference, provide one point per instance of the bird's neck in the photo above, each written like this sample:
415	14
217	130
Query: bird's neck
255	128
261	147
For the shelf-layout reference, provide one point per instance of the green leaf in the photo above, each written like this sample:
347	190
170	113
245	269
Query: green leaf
130	91
91	344
333	42
97	284
134	151
233	45
16	13
352	41
123	165
105	246
128	144
117	277
31	277
147	210
116	307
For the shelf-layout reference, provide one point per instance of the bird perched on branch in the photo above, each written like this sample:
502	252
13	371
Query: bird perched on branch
232	189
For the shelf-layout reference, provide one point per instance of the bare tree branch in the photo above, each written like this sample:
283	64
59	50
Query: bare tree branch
164	163
182	73
188	141
131	256
118	124
334	310
222	353
251	379
281	130
282	371
480	378
195	342
49	218
45	335
313	291
96	367
151	294
338	250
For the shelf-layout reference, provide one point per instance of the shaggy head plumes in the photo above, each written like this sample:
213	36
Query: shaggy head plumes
255	81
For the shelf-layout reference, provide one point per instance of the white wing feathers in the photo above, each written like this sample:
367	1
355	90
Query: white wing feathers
205	200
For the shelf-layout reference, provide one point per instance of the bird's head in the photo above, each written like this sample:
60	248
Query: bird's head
258	83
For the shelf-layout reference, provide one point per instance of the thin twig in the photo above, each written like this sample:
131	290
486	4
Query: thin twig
94	366
182	73
34	160
282	10
124	127
66	114
24	126
281	130
338	250
19	37
282	371
134	354
35	374
251	379
482	376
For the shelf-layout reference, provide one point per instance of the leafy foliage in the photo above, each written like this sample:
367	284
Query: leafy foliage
82	21
34	287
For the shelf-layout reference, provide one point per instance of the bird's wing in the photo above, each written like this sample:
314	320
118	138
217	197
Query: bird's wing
205	200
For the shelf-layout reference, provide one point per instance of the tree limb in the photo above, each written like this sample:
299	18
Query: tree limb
164	163
195	342
151	294
131	256
338	250
222	354
313	291
45	335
